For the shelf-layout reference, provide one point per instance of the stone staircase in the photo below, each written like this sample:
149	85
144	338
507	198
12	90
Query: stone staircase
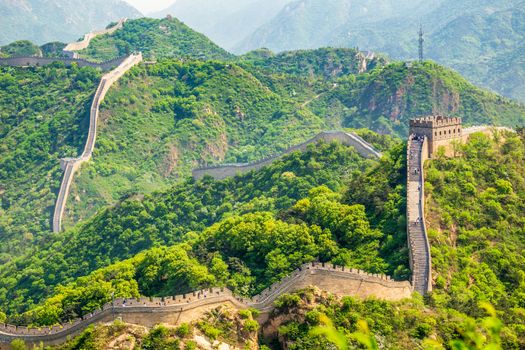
420	259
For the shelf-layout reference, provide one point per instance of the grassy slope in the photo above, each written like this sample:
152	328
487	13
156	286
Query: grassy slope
43	117
156	39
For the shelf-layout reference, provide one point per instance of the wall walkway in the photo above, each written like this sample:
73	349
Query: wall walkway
418	244
228	170
192	306
84	43
70	165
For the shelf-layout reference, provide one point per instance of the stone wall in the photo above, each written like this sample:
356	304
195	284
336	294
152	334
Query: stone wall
228	170
439	131
32	61
192	306
418	243
72	165
84	43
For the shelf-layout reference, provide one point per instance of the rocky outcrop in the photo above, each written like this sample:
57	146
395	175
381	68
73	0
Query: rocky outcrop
228	170
72	164
192	306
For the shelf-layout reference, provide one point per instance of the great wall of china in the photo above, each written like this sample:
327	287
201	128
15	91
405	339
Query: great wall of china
71	48
71	165
223	171
192	306
427	134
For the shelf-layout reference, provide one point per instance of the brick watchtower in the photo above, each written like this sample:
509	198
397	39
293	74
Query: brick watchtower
439	130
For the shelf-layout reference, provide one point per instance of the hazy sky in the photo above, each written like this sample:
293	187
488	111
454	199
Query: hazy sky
146	6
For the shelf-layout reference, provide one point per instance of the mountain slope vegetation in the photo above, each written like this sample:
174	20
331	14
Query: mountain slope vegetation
44	114
386	98
480	39
164	219
62	20
155	38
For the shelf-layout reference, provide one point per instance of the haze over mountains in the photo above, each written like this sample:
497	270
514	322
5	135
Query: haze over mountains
58	20
479	38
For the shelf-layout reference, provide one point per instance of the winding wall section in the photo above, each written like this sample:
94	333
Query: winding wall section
189	307
228	170
70	165
84	43
33	61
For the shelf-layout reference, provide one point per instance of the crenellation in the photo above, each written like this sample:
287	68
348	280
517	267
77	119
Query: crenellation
333	278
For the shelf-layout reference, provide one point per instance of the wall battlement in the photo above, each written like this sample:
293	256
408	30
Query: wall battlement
188	307
439	131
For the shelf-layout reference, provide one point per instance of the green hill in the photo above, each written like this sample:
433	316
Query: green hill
156	39
44	114
163	120
20	48
386	98
164	219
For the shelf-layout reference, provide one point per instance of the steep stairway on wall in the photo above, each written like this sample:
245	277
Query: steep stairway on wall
420	259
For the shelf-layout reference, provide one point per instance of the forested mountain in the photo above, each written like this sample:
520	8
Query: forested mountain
137	224
476	239
43	117
156	39
164	219
477	38
58	20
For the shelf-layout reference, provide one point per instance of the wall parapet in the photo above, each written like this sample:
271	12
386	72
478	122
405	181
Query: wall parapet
323	275
223	171
33	61
73	164
86	40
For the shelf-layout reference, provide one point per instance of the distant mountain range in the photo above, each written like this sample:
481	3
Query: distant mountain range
481	39
58	20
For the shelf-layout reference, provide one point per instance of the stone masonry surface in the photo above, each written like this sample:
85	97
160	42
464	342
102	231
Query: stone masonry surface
338	280
228	170
72	165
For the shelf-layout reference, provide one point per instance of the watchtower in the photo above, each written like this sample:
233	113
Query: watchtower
439	130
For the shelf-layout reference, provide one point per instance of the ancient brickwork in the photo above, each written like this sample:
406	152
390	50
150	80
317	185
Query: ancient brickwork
228	170
189	307
439	130
418	243
71	165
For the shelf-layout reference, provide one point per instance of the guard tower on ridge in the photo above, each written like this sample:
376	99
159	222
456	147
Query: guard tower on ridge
438	130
